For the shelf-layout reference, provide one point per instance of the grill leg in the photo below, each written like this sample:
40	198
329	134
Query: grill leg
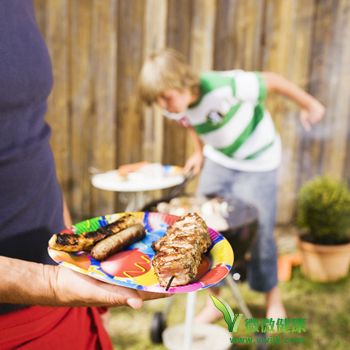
237	295
243	307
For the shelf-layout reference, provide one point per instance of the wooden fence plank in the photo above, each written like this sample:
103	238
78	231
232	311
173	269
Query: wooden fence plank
337	85
248	28
178	29
201	53
239	26
202	34
104	49
129	137
57	39
154	38
287	51
81	133
40	14
225	35
129	122
312	145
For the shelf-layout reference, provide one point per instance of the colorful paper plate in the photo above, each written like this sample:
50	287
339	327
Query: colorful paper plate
132	267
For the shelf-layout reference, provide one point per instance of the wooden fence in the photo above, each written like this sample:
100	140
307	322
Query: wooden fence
97	48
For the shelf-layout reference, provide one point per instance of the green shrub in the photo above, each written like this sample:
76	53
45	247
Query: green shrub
324	210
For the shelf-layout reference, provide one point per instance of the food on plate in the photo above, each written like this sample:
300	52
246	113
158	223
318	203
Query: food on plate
116	242
74	242
125	169
213	210
68	242
179	252
144	171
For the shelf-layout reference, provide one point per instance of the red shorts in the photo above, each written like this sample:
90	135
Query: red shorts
61	328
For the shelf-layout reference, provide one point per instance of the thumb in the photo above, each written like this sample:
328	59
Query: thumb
135	303
304	121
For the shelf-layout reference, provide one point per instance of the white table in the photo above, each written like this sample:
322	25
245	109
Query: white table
135	186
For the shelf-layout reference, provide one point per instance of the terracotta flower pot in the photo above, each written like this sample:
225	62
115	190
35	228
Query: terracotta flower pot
324	263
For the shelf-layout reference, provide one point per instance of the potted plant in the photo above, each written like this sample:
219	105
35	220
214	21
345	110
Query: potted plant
323	211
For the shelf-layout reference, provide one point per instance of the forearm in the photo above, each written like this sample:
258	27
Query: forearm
194	164
278	84
197	142
24	282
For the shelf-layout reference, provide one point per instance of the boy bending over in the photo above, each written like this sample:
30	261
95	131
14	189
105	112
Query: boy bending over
236	144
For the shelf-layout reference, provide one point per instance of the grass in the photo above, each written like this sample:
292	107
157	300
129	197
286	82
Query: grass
324	306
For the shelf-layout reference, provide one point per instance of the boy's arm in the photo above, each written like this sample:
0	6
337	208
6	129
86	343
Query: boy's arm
195	162
312	110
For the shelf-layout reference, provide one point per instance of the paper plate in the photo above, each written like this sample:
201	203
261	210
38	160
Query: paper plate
132	267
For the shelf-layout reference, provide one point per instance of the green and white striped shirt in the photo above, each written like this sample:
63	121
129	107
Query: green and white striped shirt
232	121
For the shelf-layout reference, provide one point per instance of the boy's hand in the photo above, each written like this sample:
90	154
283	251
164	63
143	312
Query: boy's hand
312	115
194	164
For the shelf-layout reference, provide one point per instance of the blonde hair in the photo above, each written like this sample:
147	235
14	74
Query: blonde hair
163	70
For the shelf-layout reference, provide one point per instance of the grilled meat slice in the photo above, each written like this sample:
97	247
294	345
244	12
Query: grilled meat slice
74	243
179	252
185	228
182	265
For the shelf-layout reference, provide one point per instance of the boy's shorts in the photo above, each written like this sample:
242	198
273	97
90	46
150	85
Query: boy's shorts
260	190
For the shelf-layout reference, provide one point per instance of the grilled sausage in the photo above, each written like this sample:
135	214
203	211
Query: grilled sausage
68	242
74	243
117	242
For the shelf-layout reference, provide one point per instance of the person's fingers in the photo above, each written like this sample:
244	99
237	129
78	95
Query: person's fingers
135	303
187	167
304	121
195	170
306	125
193	166
316	113
75	289
118	296
315	118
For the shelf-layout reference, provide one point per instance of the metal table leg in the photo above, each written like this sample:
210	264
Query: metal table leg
190	310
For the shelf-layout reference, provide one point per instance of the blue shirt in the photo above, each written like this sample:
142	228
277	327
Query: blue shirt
30	198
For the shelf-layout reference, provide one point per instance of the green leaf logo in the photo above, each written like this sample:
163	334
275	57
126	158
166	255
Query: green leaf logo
232	320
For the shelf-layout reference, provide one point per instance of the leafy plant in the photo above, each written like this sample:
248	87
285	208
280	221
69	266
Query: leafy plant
324	210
